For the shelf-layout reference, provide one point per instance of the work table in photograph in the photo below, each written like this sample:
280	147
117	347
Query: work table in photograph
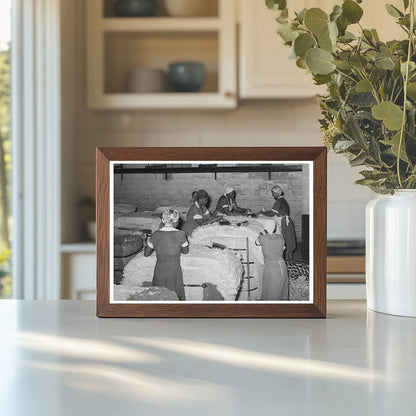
57	358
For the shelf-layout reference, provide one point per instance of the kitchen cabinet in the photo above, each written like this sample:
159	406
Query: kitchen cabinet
265	70
118	45
78	263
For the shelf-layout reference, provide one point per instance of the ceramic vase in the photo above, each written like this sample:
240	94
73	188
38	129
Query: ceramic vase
391	253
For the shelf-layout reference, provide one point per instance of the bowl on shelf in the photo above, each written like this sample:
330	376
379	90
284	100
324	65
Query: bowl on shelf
135	8
147	80
191	8
186	76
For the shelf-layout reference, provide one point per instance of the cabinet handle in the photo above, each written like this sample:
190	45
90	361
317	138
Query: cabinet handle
229	94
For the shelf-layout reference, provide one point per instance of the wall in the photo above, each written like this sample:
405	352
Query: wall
149	191
253	123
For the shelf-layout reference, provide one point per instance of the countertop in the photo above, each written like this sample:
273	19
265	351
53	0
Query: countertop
57	358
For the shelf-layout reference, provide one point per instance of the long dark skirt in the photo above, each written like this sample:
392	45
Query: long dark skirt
289	234
168	273
275	281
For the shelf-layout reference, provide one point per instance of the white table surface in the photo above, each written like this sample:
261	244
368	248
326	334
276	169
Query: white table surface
57	358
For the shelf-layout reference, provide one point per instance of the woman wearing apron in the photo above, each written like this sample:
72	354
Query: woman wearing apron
284	223
168	242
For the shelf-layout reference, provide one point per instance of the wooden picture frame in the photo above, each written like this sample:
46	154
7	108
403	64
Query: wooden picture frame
244	159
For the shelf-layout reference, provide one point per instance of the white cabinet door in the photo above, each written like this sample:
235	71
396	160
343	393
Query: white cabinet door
78	276
265	68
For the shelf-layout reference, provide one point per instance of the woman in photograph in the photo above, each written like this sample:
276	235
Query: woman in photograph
275	277
168	243
281	213
199	214
227	204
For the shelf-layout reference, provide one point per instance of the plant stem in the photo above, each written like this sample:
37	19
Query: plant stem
405	81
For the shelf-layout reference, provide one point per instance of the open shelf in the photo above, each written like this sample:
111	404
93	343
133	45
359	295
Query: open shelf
126	51
116	46
160	24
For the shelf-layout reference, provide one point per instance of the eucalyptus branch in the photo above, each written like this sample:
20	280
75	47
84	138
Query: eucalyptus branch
406	79
373	88
346	75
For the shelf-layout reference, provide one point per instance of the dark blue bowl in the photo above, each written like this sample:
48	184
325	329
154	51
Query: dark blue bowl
186	76
135	8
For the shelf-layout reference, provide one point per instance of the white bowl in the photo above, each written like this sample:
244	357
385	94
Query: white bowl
191	8
147	80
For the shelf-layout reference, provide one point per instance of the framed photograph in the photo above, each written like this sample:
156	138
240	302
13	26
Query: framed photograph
211	232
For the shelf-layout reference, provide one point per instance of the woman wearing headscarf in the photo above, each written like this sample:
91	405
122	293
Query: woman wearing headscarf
281	213
275	279
227	204
199	214
169	243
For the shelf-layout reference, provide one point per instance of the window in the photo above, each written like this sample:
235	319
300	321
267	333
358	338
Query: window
5	145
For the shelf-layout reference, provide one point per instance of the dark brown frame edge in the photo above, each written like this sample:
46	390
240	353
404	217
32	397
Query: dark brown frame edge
317	309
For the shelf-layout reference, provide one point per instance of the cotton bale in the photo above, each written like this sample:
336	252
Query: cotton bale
235	238
138	293
138	221
202	265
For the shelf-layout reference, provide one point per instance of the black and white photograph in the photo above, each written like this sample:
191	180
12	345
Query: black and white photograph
211	232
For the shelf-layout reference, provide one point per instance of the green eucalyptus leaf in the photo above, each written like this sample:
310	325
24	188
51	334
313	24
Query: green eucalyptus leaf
374	150
343	145
320	61
351	11
394	144
365	182
325	42
388	112
358	61
412	67
368	36
374	174
287	33
344	65
393	11
301	15
347	37
333	32
336	12
411	90
342	25
375	35
321	79
316	20
303	43
384	62
276	4
285	13
363	86
358	160
301	63
406	4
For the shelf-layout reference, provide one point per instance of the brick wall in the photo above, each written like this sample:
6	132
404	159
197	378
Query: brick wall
149	191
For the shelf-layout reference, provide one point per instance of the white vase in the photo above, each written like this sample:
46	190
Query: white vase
391	253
